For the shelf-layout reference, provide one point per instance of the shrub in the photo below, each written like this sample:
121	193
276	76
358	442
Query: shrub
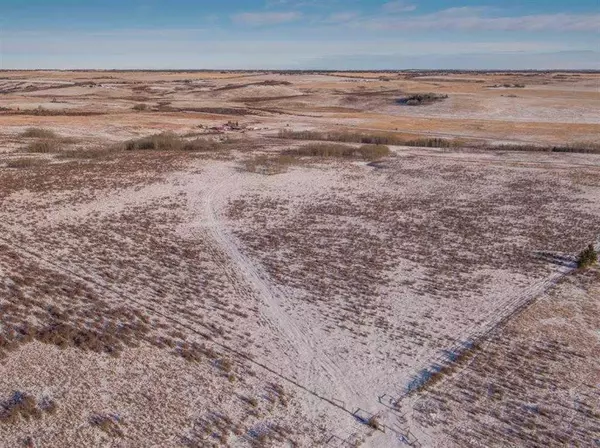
38	133
368	152
373	422
20	405
43	146
586	148
419	99
372	139
587	257
140	107
108	424
325	150
302	135
433	143
166	141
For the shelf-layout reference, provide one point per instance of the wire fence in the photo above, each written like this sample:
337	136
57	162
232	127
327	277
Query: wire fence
330	440
445	358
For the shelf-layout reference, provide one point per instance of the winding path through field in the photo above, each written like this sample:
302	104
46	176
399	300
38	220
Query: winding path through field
309	364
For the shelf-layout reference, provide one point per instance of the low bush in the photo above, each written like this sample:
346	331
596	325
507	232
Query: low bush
433	142
169	141
587	257
21	405
586	148
373	422
108	424
140	107
166	141
368	152
420	99
369	139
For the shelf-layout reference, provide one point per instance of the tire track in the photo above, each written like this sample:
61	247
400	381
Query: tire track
314	366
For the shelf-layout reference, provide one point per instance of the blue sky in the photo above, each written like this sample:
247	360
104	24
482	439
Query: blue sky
311	34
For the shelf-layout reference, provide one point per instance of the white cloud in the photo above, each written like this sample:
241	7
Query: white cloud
290	3
265	18
190	49
341	17
398	6
475	19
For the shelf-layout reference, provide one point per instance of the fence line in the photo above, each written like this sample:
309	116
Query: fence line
224	347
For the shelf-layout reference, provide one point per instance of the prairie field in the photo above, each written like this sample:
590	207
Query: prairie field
299	259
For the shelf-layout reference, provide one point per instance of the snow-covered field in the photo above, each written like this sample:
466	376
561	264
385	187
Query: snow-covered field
175	298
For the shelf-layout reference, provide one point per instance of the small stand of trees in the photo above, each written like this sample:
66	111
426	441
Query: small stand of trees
587	257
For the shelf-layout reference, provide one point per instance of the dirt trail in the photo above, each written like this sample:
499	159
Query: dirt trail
306	361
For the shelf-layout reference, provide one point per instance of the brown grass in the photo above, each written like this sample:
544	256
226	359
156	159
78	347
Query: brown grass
108	424
373	422
22	405
43	146
373	139
168	141
39	133
93	153
263	164
40	112
421	99
24	162
140	107
586	148
367	152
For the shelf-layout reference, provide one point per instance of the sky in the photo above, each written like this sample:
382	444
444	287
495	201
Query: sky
300	34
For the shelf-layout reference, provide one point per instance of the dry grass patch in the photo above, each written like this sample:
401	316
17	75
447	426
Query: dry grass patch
169	141
140	107
587	257
84	154
264	164
24	162
202	145
533	381
586	148
369	139
46	140
43	146
39	133
367	152
422	99
166	141
109	424
22	405
89	153
41	112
